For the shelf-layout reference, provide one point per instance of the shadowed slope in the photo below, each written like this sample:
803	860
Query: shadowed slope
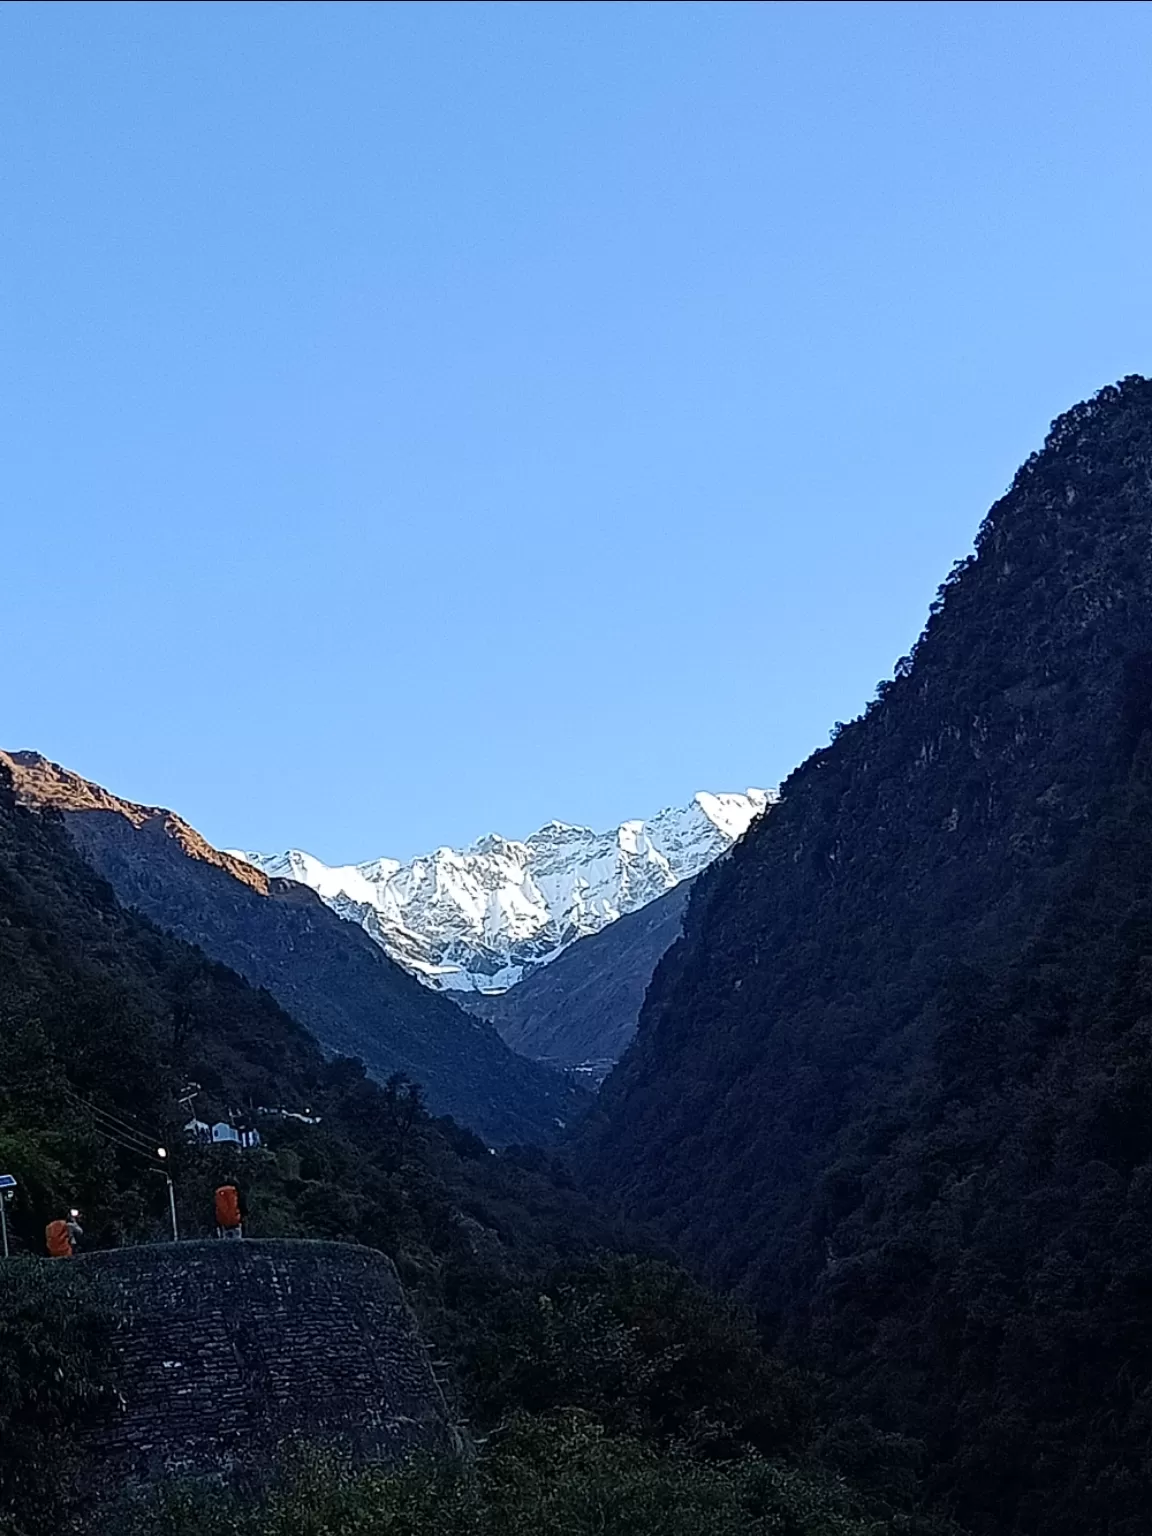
327	973
894	1080
583	1007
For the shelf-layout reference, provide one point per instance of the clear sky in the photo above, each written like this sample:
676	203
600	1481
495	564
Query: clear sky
426	419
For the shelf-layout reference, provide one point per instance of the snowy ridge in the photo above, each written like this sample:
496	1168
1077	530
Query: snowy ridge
480	918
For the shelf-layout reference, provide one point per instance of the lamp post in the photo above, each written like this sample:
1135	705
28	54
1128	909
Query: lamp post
162	1153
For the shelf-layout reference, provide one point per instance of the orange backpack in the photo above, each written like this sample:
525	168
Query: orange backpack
59	1240
227	1206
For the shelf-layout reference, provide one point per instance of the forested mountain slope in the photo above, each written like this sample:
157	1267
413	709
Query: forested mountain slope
103	1021
597	1384
327	973
581	1010
895	1081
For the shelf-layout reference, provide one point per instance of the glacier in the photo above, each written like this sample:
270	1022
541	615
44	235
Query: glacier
479	919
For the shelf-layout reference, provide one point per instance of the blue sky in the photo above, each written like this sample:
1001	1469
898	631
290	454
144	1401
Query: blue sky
426	419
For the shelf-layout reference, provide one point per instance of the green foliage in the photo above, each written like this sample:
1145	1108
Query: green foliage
616	1394
644	1350
561	1475
54	1366
97	1007
893	1085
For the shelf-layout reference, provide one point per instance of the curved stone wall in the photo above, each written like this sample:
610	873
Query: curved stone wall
229	1349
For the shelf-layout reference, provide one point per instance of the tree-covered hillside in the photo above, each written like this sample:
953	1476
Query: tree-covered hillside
103	1022
328	973
894	1083
606	1393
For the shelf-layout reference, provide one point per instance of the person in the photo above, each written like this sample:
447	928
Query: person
58	1239
228	1222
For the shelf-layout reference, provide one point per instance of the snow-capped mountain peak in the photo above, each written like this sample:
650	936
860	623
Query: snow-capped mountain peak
480	918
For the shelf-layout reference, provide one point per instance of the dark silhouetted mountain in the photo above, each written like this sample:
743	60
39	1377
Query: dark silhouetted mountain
895	1081
326	973
625	1376
581	1010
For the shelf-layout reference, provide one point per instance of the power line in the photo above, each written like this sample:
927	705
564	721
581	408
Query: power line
127	1146
129	1139
115	1130
145	1132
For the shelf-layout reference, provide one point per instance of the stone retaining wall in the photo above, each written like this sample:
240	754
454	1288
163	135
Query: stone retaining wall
229	1349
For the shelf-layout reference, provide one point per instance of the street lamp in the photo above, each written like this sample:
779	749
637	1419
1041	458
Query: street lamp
162	1153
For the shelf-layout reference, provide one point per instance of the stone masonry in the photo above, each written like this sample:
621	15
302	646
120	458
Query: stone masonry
227	1350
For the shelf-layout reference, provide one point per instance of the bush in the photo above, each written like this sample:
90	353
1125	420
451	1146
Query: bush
556	1476
55	1330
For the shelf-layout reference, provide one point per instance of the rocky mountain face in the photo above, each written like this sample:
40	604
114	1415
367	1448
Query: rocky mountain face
580	1012
326	973
894	1082
482	918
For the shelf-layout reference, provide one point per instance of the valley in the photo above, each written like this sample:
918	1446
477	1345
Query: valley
576	769
853	1237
